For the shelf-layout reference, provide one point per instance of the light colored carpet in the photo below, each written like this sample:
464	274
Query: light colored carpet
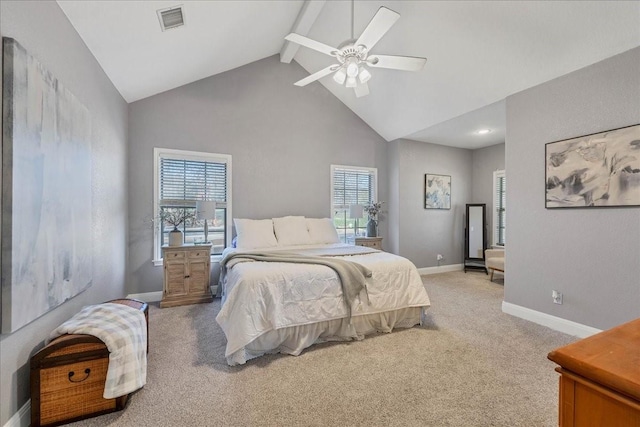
469	365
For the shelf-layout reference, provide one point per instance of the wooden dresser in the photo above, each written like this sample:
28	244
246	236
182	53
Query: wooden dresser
186	275
600	379
370	242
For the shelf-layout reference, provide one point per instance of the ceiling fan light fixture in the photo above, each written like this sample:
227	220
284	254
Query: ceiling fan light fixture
353	54
352	69
340	76
364	75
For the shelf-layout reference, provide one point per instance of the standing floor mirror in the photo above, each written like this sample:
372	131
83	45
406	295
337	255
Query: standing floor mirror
475	237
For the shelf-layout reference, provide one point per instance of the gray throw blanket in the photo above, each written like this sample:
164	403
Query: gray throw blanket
352	275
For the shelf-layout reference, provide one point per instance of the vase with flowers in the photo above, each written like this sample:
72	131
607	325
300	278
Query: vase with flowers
175	217
373	210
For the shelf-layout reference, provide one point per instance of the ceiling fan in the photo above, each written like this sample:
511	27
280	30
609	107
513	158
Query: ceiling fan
354	55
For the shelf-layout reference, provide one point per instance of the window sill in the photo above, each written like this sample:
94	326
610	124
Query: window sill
159	263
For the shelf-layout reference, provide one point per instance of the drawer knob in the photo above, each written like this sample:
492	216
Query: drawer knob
86	371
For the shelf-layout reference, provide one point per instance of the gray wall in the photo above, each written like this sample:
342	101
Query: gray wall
393	208
283	140
591	255
485	162
424	233
44	31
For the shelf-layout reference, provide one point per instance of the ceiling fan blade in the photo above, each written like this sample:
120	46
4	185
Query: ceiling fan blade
317	75
405	63
311	44
361	90
381	22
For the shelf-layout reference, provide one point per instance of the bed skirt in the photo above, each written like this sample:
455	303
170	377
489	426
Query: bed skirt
292	340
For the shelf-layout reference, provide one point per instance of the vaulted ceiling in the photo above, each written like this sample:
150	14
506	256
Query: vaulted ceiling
477	52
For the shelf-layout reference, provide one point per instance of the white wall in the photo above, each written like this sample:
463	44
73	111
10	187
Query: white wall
283	140
44	31
591	255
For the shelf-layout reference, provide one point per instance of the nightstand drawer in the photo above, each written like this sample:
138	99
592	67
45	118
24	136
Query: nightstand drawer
370	242
204	253
175	255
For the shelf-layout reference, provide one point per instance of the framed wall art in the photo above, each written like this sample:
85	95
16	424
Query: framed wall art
597	170
46	191
437	191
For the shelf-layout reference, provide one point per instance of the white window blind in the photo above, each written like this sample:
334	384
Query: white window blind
190	180
351	185
184	177
499	207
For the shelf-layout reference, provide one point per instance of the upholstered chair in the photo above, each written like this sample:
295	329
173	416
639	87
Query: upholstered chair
494	260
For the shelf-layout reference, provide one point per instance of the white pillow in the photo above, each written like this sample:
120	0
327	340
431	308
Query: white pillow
322	230
291	230
254	233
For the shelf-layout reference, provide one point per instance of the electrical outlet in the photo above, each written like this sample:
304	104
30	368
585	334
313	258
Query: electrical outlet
557	297
439	257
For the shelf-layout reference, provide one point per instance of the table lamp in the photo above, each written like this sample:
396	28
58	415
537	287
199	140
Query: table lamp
206	210
356	212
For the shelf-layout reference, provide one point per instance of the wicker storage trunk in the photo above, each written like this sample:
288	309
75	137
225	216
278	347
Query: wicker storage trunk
68	376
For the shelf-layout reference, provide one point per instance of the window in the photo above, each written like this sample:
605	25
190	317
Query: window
351	185
499	207
180	179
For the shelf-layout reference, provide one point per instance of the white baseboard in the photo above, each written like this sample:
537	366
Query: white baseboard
22	418
157	296
556	323
440	269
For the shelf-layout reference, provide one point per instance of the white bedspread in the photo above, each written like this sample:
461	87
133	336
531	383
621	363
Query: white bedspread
259	297
123	329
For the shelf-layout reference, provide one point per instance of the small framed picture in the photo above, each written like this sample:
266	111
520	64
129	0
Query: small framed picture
437	191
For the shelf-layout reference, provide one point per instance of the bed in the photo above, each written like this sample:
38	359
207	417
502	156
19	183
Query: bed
285	307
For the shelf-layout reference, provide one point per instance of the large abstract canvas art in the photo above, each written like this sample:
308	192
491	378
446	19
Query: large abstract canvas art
598	170
46	191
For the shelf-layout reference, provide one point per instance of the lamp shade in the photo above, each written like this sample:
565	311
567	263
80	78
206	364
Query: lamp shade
364	75
352	68
205	209
356	211
340	76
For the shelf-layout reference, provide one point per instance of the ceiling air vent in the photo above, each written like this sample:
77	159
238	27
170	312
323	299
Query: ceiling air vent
171	17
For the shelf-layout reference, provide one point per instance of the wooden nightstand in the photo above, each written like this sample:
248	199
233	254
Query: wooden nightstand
186	275
370	242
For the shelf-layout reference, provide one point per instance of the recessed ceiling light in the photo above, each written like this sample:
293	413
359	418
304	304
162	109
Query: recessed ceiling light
483	131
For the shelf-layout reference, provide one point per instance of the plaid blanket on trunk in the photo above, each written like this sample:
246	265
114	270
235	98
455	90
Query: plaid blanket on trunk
123	330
